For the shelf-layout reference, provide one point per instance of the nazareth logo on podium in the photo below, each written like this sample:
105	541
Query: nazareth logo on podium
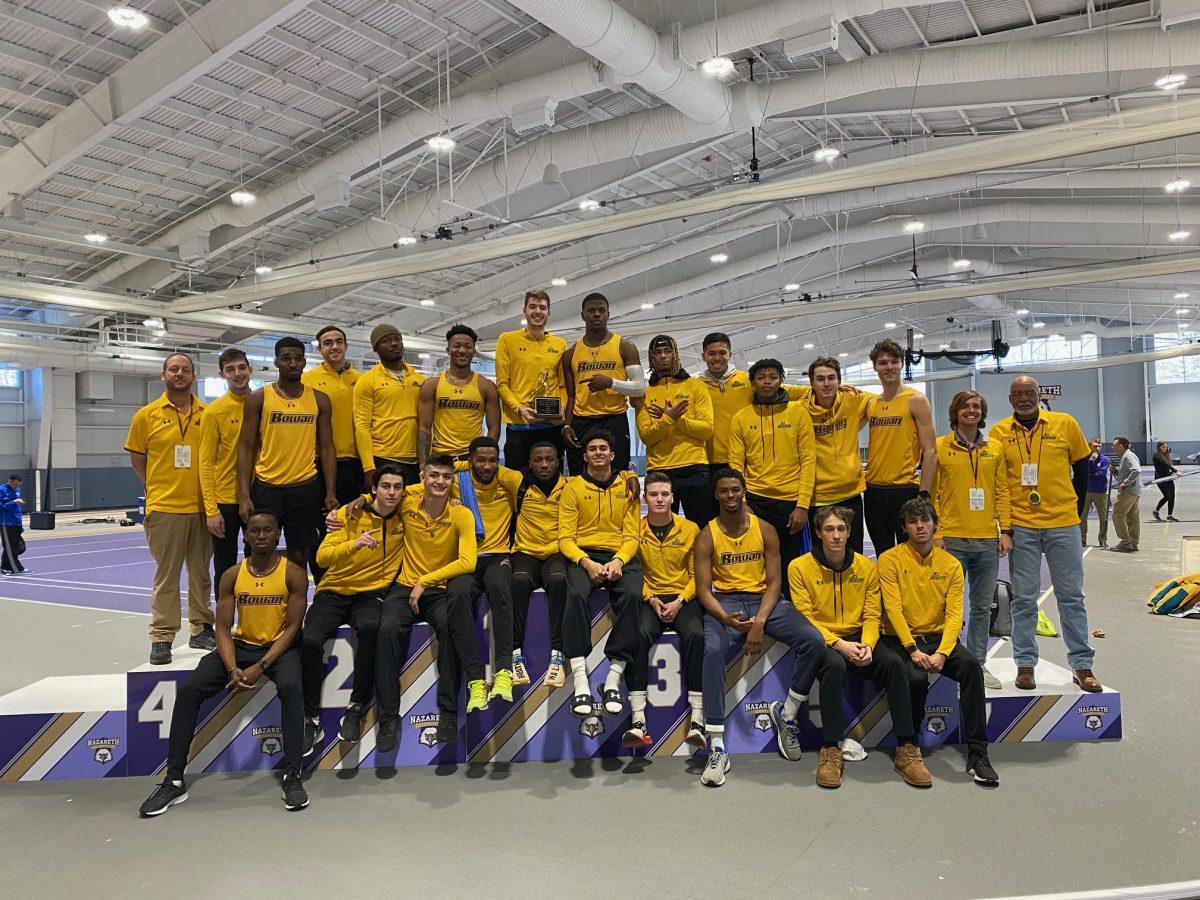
427	725
270	739
102	749
761	713
1093	716
935	718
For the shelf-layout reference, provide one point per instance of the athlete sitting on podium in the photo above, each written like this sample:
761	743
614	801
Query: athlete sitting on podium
269	594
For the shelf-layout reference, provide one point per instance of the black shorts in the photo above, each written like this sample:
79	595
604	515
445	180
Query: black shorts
299	507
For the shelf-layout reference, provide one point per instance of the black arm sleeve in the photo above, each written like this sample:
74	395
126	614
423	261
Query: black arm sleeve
1079	478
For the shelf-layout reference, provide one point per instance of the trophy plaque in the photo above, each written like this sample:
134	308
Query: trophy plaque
545	405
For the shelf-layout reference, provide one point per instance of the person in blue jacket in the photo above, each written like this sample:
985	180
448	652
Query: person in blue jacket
1097	493
12	507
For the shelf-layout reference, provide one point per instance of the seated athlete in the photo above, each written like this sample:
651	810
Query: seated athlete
269	594
360	558
838	591
923	600
665	543
738	582
598	534
439	545
536	562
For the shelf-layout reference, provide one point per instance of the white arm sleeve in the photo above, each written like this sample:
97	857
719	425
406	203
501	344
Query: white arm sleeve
634	385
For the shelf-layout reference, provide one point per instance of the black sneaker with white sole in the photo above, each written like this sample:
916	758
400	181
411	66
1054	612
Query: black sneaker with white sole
351	729
979	767
205	640
385	736
696	736
294	795
313	732
160	653
170	792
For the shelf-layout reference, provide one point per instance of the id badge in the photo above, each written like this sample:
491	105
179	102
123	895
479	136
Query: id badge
1029	474
977	499
183	456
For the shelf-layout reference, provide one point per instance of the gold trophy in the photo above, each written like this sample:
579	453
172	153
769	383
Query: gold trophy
545	405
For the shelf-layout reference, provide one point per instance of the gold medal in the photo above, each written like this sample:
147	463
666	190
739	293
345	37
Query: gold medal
1034	497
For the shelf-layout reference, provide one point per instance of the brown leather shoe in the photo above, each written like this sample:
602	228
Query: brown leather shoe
1025	678
1087	681
911	766
829	768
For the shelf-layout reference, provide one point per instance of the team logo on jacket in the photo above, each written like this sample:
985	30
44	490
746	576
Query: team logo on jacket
935	718
761	713
270	739
102	749
1093	716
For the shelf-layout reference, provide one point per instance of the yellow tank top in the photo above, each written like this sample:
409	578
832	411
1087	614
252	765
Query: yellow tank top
457	416
893	451
603	360
739	564
287	436
261	603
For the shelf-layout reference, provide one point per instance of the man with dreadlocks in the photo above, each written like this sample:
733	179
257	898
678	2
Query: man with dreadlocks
675	421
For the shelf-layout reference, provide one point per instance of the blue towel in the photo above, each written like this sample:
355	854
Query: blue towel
466	494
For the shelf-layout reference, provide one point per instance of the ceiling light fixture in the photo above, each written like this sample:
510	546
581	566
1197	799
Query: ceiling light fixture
808	346
428	302
263	270
423	356
961	263
647	306
916	226
1022	311
1171	81
843	354
1179	185
826	154
96	237
943	346
589	204
406	240
718	66
1179	235
889	324
441	143
127	17
918	336
242	198
791	286
719	257
772	337
558	282
1183	311
1181	295
1039	324
154	322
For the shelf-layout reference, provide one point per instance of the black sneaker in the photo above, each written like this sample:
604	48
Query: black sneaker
169	793
205	640
294	795
160	653
351	729
313	732
447	729
385	736
30	571
980	768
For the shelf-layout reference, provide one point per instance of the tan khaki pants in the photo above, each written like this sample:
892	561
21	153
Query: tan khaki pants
1100	501
176	540
1125	517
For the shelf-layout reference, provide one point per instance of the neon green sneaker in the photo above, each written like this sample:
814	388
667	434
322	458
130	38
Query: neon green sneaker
477	698
502	686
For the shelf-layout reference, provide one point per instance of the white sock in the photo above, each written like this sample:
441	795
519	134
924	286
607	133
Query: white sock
716	737
696	702
516	653
616	668
791	706
579	675
637	703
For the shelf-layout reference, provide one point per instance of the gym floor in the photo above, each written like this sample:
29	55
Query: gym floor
582	828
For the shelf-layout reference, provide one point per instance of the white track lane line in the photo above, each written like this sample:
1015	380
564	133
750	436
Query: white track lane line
124	612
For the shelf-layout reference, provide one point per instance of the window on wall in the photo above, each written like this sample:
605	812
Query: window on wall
1181	369
214	387
1048	349
10	378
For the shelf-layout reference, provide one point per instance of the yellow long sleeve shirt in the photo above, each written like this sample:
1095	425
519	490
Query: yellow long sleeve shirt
537	521
839	602
339	388
520	362
668	565
921	596
961	471
671	443
361	570
385	414
593	517
436	550
220	428
839	469
729	397
772	445
497	502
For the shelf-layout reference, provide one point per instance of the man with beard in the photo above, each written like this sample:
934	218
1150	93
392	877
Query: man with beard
385	407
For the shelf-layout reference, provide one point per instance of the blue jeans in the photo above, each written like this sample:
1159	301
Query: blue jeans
1064	558
785	624
979	570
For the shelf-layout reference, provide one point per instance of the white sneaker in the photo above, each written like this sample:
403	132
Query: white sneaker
990	681
714	773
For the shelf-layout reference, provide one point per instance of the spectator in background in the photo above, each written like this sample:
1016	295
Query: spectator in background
1127	477
1162	469
1097	493
12	507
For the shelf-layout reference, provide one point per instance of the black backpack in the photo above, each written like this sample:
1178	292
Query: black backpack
1001	625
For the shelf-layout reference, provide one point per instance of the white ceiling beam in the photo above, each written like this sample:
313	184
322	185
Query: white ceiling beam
205	40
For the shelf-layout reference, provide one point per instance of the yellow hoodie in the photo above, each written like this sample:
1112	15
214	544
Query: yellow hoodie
537	521
921	596
594	517
385	414
436	550
361	570
672	444
772	445
838	602
839	471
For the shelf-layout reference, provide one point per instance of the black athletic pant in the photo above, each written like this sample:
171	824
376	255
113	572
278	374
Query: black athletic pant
348	486
960	666
885	668
689	625
586	425
883	515
492	576
328	612
855	505
1168	497
449	612
624	597
776	512
14	546
519	441
225	549
530	573
692	488
209	678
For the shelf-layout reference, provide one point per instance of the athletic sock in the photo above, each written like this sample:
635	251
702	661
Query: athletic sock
637	703
716	737
696	702
516	653
616	668
791	706
579	675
